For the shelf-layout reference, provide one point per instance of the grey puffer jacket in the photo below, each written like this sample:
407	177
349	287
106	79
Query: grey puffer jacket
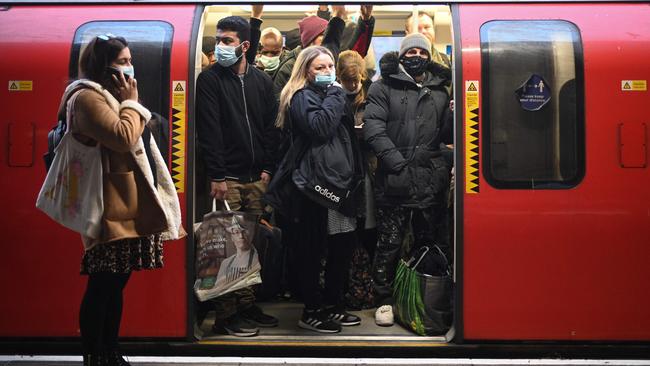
402	124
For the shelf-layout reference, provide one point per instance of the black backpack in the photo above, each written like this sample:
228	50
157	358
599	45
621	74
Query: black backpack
268	242
56	133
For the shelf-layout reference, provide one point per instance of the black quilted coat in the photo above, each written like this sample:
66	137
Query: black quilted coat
403	124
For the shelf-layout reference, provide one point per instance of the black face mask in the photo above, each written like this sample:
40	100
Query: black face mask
414	65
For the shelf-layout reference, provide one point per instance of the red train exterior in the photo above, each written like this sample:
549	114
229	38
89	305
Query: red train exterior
532	264
567	264
41	258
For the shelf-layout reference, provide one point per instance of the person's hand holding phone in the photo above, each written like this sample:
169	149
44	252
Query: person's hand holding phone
127	87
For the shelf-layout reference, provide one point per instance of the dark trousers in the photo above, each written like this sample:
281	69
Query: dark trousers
313	244
392	225
234	302
101	311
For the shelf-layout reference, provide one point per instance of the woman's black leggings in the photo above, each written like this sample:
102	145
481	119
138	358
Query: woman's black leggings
101	311
313	242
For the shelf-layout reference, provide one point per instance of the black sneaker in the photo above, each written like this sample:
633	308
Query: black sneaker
114	358
341	316
237	326
255	315
318	321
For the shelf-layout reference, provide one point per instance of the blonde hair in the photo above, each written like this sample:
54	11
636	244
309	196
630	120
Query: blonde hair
298	80
271	32
351	65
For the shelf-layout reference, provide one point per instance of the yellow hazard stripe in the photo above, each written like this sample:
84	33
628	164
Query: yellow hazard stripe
178	134
472	170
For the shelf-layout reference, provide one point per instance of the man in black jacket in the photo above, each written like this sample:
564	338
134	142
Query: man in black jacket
235	116
407	110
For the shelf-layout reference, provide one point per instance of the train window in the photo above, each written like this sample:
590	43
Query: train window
382	45
150	46
533	104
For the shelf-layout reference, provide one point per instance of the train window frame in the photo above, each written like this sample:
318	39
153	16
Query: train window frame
576	150
158	88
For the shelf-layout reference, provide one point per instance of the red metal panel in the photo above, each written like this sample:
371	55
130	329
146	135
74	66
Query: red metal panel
633	145
21	144
566	264
39	278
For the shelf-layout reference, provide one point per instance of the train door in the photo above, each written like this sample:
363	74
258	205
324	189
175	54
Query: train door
388	33
553	199
40	49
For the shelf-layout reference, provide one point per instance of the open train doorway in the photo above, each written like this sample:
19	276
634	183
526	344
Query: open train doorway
391	25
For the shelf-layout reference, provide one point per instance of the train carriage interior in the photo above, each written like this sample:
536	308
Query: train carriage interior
388	32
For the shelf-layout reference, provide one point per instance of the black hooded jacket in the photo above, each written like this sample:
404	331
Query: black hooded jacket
403	124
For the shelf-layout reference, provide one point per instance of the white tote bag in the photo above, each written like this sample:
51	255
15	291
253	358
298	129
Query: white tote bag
72	192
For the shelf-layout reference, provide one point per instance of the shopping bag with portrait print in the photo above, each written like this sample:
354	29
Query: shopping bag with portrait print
226	259
72	191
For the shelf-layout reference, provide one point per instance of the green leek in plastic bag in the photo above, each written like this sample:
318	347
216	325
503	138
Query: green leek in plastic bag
423	303
407	292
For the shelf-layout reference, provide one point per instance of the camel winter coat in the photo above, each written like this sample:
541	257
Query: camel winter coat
133	206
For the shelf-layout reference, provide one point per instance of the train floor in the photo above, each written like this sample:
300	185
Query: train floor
288	314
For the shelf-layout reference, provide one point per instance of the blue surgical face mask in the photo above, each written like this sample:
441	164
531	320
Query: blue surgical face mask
324	80
227	55
128	70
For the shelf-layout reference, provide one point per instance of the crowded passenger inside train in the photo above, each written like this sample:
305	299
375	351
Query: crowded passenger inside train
324	170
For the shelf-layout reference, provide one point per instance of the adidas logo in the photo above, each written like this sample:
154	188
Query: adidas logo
327	194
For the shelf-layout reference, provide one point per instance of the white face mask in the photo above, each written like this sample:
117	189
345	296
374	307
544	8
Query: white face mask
270	62
353	92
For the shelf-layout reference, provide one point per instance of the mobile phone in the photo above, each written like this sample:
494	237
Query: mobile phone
115	71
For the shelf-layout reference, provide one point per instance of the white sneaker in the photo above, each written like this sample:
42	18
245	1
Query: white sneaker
384	316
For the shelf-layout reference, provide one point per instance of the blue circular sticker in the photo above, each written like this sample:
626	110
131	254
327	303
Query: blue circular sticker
534	93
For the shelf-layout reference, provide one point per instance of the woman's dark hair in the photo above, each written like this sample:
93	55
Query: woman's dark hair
98	56
236	24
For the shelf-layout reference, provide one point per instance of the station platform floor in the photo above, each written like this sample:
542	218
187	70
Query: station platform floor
244	361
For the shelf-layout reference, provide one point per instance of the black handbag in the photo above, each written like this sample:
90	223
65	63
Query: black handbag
327	173
423	291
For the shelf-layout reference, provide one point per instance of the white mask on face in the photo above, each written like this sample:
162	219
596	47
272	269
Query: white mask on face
270	62
353	92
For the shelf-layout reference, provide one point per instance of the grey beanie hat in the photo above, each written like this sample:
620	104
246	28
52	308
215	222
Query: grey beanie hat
414	40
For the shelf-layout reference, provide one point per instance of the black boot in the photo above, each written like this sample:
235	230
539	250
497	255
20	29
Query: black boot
93	360
114	358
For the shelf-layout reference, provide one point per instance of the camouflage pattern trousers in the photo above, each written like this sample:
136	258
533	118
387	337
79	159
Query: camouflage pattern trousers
393	225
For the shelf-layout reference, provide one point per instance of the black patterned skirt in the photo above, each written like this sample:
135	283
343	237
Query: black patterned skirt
124	256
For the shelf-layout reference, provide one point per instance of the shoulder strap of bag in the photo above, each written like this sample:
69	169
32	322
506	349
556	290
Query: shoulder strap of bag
426	250
214	205
69	108
424	253
446	259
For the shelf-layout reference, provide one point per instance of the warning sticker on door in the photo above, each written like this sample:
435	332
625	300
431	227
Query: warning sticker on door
471	136
178	134
634	85
21	85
